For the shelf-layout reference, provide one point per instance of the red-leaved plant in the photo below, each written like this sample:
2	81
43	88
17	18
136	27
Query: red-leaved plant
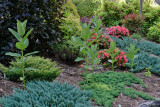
102	41
120	58
118	31
133	22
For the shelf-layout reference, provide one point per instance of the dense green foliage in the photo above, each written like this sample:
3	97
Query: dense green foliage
114	12
133	22
45	94
87	7
68	52
154	32
44	69
107	86
149	53
43	15
71	22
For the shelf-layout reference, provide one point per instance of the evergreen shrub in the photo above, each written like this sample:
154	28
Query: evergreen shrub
45	94
44	69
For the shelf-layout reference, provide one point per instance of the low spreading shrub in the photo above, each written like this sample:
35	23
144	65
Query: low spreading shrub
44	69
147	55
102	41
118	31
154	32
133	22
109	85
45	94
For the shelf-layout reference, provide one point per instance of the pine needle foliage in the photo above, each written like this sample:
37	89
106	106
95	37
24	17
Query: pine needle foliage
107	86
46	94
148	54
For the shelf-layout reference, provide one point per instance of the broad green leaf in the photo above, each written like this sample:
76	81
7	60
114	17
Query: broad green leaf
88	66
26	42
29	69
130	56
16	69
22	78
20	28
24	25
128	64
15	34
31	53
20	45
26	36
77	39
136	56
13	54
110	61
79	59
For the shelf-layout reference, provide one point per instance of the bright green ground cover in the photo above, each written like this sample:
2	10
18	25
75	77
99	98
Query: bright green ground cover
106	86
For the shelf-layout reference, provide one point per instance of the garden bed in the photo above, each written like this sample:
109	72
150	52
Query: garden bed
72	75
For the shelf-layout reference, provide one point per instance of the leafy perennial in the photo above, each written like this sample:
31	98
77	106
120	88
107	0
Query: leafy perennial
22	44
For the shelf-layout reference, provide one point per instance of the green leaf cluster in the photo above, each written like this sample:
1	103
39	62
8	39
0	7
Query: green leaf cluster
107	86
46	94
44	69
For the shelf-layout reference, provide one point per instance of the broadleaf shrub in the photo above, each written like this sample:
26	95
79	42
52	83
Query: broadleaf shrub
42	15
133	22
44	69
120	58
101	40
45	94
118	31
154	32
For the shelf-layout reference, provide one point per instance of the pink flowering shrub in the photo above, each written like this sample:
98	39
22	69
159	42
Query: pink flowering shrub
118	31
102	41
120	57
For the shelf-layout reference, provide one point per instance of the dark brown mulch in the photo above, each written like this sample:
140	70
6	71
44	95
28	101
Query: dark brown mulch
72	75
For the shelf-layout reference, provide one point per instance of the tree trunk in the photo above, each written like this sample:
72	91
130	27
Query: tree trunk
140	10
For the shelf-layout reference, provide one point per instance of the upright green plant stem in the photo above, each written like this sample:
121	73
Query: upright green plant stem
23	69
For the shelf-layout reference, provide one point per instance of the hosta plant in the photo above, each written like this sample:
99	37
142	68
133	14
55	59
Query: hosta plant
118	31
22	44
46	94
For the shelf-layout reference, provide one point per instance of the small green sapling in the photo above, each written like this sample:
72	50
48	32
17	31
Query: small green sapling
22	44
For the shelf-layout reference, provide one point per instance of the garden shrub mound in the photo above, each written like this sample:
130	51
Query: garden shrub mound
148	55
71	22
107	86
87	7
44	69
45	94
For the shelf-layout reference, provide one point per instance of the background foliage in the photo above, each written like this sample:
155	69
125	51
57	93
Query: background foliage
42	15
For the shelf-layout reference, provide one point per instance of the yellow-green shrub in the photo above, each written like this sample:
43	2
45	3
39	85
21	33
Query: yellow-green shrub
87	7
44	69
71	23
